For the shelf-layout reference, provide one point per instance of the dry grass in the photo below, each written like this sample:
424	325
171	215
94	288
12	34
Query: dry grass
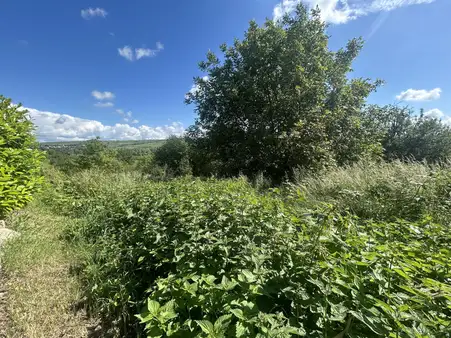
382	191
41	290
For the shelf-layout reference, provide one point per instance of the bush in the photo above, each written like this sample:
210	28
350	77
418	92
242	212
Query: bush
173	155
215	258
20	161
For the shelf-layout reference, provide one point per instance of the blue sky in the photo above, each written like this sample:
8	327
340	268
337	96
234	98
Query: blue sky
120	69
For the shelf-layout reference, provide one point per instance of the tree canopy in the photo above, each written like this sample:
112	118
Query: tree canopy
280	99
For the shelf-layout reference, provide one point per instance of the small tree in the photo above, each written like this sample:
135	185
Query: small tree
174	156
280	99
20	160
96	154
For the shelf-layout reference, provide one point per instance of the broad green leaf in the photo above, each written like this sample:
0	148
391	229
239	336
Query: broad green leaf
206	326
153	306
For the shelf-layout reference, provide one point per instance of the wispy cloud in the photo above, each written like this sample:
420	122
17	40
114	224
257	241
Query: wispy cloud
128	53
160	46
103	95
61	127
380	20
104	104
90	13
419	95
144	52
127	116
342	11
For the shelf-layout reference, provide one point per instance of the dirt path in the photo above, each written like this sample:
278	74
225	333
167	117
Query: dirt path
37	298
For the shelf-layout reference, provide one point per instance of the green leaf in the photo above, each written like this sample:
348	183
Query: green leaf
238	313
222	323
153	307
241	330
402	273
206	326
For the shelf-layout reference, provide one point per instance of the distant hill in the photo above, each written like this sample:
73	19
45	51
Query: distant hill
112	144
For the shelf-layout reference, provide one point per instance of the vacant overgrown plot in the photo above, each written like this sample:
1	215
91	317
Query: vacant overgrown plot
215	258
290	208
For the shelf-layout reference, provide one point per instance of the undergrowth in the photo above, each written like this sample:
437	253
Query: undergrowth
217	258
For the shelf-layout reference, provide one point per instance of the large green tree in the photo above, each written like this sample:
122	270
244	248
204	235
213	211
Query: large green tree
20	161
280	99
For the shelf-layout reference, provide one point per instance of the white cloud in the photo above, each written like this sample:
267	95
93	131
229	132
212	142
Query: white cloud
135	121
103	95
131	55
104	104
126	52
126	115
434	114
342	11
90	13
144	52
57	127
419	95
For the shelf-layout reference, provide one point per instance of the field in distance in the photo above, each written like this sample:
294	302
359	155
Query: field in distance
112	144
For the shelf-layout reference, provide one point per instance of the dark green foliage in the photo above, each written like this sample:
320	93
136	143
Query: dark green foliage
20	161
173	155
280	99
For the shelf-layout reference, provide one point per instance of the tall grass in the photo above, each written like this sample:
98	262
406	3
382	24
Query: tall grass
383	191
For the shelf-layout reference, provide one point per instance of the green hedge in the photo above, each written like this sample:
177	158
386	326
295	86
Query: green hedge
20	161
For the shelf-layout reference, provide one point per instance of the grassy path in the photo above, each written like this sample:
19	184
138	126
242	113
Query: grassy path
41	291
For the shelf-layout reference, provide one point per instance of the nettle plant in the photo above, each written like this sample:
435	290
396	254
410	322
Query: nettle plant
20	160
216	259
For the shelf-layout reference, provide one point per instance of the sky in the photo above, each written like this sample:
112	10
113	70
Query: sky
121	69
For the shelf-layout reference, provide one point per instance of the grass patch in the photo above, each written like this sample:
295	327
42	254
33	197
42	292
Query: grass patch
383	191
41	290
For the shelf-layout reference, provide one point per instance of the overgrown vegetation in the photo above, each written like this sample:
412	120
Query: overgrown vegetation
217	258
338	227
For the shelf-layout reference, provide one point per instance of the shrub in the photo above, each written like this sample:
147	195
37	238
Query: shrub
215	258
173	155
20	161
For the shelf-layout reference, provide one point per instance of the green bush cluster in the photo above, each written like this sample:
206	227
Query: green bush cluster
216	258
20	161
